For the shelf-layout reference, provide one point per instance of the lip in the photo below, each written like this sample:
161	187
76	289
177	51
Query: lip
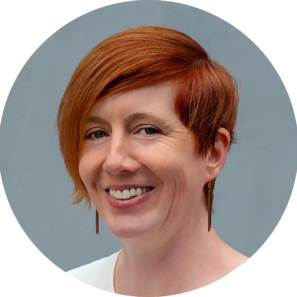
124	187
122	204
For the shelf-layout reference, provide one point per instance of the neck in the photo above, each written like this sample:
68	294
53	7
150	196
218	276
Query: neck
159	265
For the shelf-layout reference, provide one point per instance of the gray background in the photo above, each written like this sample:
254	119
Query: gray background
252	190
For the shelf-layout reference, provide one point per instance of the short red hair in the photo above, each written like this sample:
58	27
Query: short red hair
207	98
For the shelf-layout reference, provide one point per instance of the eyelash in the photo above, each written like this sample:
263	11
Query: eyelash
92	134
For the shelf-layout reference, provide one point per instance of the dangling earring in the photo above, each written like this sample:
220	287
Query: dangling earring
209	203
97	222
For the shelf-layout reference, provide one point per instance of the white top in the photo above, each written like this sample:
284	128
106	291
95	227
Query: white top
98	274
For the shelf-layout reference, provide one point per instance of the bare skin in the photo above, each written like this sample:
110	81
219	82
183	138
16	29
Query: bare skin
136	138
189	261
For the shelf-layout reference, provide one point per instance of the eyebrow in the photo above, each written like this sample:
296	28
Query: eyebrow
132	117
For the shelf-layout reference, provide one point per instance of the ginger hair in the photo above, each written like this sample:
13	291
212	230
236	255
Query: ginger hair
207	97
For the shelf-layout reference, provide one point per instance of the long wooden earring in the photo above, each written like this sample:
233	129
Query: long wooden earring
97	222
209	203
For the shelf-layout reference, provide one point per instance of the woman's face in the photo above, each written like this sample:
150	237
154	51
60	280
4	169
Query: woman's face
137	149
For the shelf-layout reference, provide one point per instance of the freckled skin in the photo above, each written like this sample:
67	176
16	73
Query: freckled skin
167	249
164	160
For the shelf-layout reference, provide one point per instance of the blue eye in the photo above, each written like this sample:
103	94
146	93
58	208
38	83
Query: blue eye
98	134
148	131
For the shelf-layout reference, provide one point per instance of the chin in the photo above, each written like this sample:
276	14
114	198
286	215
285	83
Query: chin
131	228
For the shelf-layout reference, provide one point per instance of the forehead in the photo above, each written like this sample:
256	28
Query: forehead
156	99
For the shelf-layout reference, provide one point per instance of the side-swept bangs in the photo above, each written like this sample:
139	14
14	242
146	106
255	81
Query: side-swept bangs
207	98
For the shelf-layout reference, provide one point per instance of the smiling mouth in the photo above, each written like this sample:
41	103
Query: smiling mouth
127	197
128	193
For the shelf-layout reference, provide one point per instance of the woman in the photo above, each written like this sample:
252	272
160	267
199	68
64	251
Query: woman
145	125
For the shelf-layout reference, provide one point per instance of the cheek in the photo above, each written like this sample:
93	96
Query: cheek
88	169
168	166
185	176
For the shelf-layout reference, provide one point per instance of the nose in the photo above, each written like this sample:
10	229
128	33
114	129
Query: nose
119	159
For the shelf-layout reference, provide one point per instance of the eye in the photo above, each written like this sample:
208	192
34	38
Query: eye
148	131
100	134
97	134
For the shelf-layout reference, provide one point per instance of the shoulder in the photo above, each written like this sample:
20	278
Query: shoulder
232	262
98	274
227	259
239	259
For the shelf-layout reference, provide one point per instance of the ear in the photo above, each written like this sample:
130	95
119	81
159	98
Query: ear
217	156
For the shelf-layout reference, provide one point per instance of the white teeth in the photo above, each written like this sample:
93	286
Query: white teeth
132	192
127	193
138	191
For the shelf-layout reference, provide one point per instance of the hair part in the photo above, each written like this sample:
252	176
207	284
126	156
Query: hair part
207	97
